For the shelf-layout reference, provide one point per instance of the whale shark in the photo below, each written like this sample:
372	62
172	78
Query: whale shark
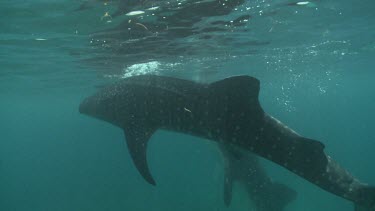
245	169
227	111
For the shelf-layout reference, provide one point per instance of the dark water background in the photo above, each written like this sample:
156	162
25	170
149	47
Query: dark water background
316	66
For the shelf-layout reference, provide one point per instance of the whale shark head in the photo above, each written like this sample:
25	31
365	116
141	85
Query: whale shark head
140	105
100	106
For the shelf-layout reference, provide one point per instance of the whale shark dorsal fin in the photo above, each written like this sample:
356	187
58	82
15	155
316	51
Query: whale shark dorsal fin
241	85
137	137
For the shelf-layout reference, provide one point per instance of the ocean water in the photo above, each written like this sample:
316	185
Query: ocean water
315	61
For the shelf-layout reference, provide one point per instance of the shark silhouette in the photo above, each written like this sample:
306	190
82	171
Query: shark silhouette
244	168
227	111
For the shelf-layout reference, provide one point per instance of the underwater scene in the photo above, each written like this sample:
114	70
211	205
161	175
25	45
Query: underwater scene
180	105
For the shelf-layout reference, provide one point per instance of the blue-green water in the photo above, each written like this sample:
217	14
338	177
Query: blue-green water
316	67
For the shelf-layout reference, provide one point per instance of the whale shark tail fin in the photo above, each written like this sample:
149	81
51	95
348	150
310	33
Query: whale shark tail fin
367	198
137	138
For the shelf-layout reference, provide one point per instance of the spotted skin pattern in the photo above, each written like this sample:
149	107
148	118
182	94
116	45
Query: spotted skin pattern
226	111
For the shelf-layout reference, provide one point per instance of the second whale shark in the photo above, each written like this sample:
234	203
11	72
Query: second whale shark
226	111
245	169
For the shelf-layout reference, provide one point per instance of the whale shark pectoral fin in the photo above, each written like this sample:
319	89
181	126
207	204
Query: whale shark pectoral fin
137	138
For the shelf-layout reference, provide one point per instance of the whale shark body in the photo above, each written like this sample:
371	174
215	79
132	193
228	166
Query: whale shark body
245	169
226	111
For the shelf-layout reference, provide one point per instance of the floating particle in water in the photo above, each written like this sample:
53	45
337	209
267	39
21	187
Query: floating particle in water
132	13
303	3
153	8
